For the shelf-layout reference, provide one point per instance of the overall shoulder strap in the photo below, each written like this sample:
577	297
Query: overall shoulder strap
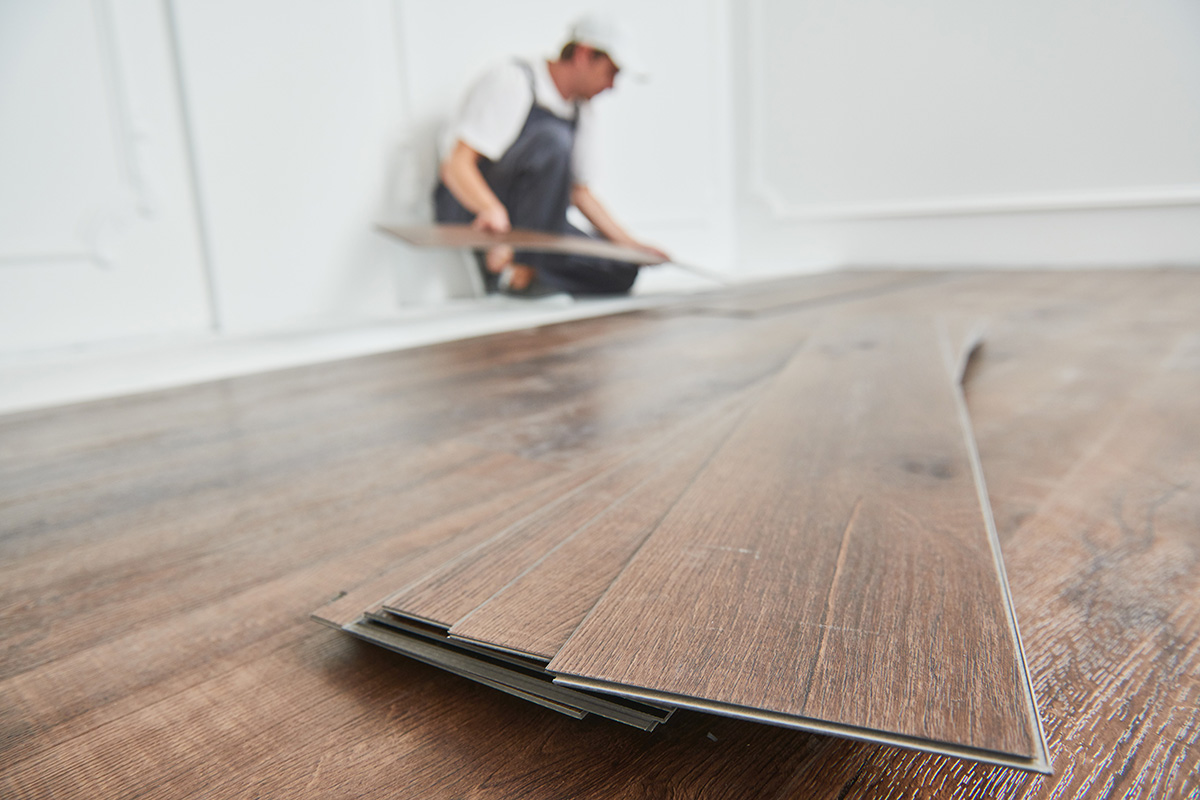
527	68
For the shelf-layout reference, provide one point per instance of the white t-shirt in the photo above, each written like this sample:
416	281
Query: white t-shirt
496	106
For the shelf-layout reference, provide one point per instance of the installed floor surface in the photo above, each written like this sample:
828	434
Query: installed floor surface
160	554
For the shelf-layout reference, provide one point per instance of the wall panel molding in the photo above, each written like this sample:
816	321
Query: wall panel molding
129	130
98	234
99	241
762	187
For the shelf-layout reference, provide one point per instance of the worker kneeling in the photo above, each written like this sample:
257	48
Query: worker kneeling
519	154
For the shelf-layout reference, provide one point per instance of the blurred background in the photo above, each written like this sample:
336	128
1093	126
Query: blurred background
175	168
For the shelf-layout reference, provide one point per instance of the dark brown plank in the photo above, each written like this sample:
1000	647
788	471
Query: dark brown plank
1086	437
228	468
451	592
853	481
466	529
537	610
1106	577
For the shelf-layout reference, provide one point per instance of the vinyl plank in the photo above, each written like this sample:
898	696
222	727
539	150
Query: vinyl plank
467	237
449	593
459	534
539	608
832	567
1056	371
1106	580
228	485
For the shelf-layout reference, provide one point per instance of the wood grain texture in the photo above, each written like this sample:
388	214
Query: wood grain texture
454	534
228	690
537	610
832	563
1085	402
448	594
632	388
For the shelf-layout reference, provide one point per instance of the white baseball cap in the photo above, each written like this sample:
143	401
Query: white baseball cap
602	32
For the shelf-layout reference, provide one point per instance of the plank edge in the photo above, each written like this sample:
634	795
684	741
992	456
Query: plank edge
1038	763
958	368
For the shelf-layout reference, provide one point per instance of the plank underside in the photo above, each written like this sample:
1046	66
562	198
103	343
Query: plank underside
434	656
832	562
516	676
466	237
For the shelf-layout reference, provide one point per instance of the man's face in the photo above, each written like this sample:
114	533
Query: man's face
596	73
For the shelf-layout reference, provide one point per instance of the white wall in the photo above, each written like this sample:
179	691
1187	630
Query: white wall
97	223
175	167
294	108
936	132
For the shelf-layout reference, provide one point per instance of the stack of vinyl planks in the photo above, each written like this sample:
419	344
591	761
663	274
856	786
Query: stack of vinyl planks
814	550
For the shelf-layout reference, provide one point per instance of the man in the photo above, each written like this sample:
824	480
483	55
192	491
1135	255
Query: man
519	154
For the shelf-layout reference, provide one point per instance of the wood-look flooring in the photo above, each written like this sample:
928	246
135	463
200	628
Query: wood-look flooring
448	594
160	555
538	609
831	567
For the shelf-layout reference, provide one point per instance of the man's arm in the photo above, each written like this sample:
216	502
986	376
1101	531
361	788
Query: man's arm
460	172
583	199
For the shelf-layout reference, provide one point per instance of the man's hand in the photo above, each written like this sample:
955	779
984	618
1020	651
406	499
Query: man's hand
460	172
629	241
492	219
661	255
586	202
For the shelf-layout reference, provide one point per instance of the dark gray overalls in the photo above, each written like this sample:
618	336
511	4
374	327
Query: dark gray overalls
533	180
